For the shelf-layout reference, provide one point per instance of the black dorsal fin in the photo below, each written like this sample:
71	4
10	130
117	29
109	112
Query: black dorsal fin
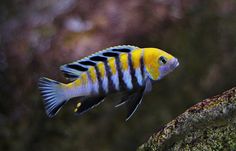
73	70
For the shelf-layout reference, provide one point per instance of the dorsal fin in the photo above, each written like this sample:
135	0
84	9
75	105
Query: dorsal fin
73	70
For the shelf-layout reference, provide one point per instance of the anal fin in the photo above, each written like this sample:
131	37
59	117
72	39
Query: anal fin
87	103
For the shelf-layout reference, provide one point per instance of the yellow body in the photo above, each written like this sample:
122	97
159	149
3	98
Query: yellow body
92	74
112	65
124	61
135	57
101	69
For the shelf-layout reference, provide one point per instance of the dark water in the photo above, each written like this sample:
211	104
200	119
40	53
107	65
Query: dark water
38	36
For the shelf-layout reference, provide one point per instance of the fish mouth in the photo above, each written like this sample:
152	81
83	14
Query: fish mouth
174	63
169	67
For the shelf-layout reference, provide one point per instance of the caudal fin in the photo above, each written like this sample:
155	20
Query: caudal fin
53	94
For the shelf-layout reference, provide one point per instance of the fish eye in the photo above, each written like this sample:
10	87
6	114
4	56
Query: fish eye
162	60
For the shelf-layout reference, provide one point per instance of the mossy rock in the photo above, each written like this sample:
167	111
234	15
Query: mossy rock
208	125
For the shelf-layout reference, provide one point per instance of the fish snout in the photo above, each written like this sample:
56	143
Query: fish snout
174	63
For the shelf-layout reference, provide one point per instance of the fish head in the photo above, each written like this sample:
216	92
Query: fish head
159	63
167	65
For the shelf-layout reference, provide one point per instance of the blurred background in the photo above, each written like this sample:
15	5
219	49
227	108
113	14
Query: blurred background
36	37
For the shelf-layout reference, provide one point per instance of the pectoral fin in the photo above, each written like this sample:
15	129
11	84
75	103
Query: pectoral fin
87	103
148	86
133	102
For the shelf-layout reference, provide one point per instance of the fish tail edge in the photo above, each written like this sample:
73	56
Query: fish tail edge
53	95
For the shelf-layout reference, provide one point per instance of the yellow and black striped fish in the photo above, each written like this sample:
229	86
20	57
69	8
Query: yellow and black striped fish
127	69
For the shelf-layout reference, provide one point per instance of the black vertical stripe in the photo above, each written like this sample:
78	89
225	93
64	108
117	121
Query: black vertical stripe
98	74
111	86
134	80
142	66
122	84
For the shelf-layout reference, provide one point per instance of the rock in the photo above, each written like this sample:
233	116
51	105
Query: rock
208	125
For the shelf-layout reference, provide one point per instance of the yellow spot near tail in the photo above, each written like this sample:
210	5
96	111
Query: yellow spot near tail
112	65
77	107
101	69
124	61
135	57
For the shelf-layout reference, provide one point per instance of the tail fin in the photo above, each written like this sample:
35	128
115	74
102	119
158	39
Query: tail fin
53	94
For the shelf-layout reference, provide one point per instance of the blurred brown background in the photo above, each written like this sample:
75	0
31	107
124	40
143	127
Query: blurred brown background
38	36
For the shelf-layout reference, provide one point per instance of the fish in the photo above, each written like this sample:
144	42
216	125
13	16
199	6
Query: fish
124	69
